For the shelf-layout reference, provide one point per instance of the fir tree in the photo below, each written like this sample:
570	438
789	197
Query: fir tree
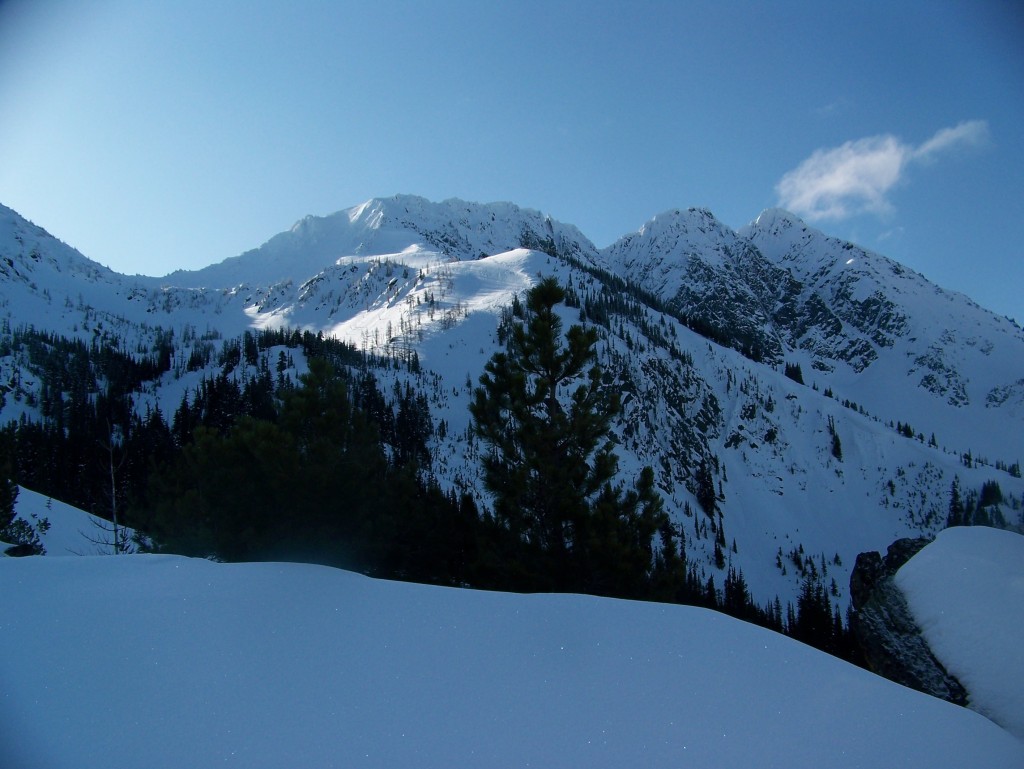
837	445
8	493
705	492
792	370
545	414
19	533
955	517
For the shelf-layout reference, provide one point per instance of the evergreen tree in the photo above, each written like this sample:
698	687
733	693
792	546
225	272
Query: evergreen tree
837	445
955	517
8	492
705	492
814	617
25	537
669	577
545	415
792	370
22	536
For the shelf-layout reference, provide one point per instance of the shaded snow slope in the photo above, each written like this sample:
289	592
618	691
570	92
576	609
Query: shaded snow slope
162	661
71	531
966	591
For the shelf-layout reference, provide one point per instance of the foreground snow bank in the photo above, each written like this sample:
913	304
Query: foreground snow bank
163	661
966	591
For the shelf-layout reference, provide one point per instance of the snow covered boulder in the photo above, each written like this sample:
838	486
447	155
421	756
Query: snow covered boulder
966	592
885	628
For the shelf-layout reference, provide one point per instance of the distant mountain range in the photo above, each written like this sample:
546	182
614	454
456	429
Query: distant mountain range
750	351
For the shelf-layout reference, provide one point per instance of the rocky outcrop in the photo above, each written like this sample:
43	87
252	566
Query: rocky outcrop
886	631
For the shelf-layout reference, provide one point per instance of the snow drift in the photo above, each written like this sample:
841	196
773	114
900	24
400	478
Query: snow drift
163	661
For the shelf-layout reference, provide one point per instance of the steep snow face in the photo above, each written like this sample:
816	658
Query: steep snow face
164	661
898	329
966	591
453	230
660	252
702	271
463	230
393	303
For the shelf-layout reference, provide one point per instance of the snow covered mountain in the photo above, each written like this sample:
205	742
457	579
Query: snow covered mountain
872	330
403	224
699	326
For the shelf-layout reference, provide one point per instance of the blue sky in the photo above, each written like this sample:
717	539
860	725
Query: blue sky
154	136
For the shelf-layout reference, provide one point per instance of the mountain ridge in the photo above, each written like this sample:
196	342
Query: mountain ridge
697	352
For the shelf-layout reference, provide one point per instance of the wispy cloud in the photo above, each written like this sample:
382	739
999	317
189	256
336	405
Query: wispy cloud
857	176
972	133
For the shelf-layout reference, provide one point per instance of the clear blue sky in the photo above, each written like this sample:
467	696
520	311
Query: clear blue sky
160	135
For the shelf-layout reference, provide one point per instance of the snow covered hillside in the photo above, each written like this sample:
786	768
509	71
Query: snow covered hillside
163	661
966	591
68	530
704	331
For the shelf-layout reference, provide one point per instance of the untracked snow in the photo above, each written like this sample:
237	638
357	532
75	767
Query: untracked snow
71	531
966	591
164	661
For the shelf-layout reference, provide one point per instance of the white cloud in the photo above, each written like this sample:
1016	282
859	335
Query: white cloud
970	132
856	177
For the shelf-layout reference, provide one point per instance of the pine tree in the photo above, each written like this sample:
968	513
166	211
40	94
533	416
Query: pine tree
21	534
545	415
955	516
705	492
792	370
8	494
837	445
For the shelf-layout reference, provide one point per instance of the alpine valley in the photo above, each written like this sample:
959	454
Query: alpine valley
829	397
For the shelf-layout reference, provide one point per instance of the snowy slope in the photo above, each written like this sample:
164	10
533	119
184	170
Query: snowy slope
71	531
162	661
47	284
966	591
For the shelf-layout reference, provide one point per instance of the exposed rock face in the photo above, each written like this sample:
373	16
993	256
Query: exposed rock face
889	637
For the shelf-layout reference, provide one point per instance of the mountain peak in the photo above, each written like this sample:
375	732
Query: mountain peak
452	230
774	221
677	219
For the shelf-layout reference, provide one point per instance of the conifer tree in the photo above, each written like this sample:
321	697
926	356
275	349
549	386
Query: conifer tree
19	533
8	493
955	516
705	491
837	445
545	415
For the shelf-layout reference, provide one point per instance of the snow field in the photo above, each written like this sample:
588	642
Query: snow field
164	661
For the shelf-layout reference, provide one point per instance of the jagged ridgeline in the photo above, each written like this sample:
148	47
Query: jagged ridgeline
798	400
